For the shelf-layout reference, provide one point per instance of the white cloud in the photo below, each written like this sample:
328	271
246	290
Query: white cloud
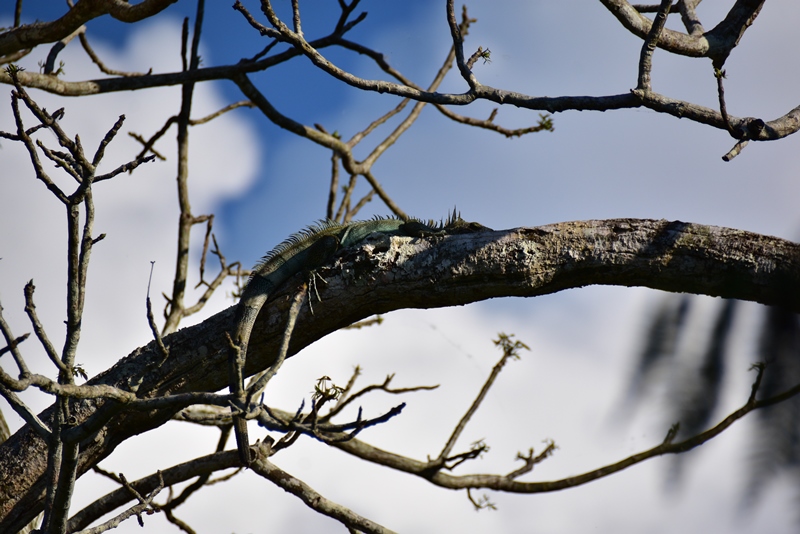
138	212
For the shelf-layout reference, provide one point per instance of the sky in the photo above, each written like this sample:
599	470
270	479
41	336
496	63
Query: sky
263	183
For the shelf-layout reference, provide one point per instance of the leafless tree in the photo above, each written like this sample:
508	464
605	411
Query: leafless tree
41	462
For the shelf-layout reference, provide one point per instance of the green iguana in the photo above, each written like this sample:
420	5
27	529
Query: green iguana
304	252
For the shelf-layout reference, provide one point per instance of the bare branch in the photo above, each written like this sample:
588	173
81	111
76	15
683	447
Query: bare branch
755	129
510	351
314	500
531	460
22	134
384	196
737	148
545	123
346	400
49	66
110	135
145	504
725	36
334	187
17	12
151	321
649	46
689	17
30	35
296	17
458	45
509	483
258	386
218	113
30	309
125	167
176	310
56	515
776	129
197	467
263	30
103	68
344	211
23	411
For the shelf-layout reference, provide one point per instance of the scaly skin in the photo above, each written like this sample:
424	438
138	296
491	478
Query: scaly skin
304	252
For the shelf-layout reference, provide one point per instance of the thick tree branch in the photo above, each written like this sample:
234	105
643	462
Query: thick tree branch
392	273
715	44
31	35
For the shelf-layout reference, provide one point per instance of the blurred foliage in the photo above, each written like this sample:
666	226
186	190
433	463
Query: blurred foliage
686	349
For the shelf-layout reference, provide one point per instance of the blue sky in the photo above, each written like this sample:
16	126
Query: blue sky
263	183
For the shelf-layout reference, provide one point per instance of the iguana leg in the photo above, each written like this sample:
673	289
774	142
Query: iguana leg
235	365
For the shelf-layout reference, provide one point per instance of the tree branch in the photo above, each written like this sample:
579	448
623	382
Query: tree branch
715	44
314	500
508	483
31	35
422	273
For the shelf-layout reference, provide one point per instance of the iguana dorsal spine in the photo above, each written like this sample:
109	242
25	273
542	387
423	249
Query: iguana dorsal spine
306	251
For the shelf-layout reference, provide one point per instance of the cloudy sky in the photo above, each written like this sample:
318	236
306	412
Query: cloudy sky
263	184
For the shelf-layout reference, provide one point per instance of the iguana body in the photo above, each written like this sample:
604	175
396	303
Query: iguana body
305	252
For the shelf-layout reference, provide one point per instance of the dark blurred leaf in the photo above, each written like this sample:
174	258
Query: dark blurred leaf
697	396
660	344
700	393
695	389
777	440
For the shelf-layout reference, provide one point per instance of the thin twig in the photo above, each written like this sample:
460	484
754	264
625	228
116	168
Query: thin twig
22	409
151	321
296	17
314	500
649	46
38	328
502	483
145	503
458	45
510	350
723	108
148	145
49	65
737	148
209	220
103	68
344	214
334	188
384	196
345	401
229	107
171	476
191	61
531	460
255	389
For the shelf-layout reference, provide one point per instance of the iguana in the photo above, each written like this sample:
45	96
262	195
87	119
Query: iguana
304	252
